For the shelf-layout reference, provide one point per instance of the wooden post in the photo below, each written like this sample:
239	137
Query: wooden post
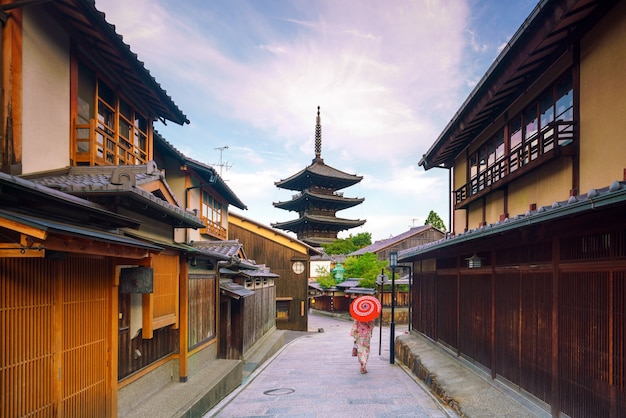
183	318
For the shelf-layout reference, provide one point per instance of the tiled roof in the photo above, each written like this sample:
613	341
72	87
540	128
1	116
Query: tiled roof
319	219
348	283
259	273
115	180
222	249
319	168
595	199
319	174
338	202
95	34
389	242
30	197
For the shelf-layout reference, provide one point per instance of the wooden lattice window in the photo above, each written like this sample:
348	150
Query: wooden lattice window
108	130
282	309
211	213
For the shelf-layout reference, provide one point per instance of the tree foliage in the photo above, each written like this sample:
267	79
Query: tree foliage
325	278
434	220
365	267
348	245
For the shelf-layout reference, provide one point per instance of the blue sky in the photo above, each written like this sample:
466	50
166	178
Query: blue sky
388	75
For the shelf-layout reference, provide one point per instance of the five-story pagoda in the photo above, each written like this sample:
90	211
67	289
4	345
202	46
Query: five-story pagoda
318	200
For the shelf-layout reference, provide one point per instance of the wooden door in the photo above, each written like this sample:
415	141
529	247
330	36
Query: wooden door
55	337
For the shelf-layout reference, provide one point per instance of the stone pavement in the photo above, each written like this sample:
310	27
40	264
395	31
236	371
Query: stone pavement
316	376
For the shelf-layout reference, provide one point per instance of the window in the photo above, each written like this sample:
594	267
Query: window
546	107
108	130
545	123
531	121
282	309
515	132
211	209
564	106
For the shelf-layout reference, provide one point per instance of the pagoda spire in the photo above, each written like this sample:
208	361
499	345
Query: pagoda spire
318	137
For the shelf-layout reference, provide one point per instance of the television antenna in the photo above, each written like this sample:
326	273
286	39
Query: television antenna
222	164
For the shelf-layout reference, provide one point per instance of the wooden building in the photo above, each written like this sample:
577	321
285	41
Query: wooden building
530	286
287	257
59	284
318	199
95	255
417	235
246	302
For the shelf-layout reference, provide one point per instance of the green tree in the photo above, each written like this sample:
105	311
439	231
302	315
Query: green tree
325	278
365	267
362	239
434	220
348	245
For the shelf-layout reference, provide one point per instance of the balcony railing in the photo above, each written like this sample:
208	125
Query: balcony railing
94	145
556	134
212	229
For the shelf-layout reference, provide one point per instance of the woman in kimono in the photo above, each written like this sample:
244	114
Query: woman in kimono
362	334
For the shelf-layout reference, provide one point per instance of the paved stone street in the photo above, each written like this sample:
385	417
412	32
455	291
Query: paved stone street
315	376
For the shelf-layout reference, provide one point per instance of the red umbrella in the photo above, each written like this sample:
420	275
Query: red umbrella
365	308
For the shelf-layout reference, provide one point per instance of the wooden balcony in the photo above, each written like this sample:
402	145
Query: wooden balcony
95	145
550	143
212	229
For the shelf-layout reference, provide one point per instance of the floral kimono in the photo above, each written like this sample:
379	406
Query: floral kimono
362	333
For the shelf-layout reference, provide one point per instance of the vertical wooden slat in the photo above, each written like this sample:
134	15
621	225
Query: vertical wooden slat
86	287
618	387
183	320
26	352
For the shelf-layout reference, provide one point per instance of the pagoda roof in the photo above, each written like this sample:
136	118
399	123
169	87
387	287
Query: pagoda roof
321	175
335	201
318	241
306	221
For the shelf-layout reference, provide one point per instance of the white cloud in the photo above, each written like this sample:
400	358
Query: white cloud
387	76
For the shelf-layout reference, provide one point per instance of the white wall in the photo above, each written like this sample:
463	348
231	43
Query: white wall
46	93
315	264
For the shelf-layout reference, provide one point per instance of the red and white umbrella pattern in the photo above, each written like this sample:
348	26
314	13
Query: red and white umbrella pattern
365	308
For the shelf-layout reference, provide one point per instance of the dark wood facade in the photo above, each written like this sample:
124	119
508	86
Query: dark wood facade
546	311
248	316
530	284
279	252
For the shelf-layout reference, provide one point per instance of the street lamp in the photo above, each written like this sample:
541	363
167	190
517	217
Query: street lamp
393	263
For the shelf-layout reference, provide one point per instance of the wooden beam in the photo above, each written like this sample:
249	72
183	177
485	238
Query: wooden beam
92	247
26	248
23	228
13	251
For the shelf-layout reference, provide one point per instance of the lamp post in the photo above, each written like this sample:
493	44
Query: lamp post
393	263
